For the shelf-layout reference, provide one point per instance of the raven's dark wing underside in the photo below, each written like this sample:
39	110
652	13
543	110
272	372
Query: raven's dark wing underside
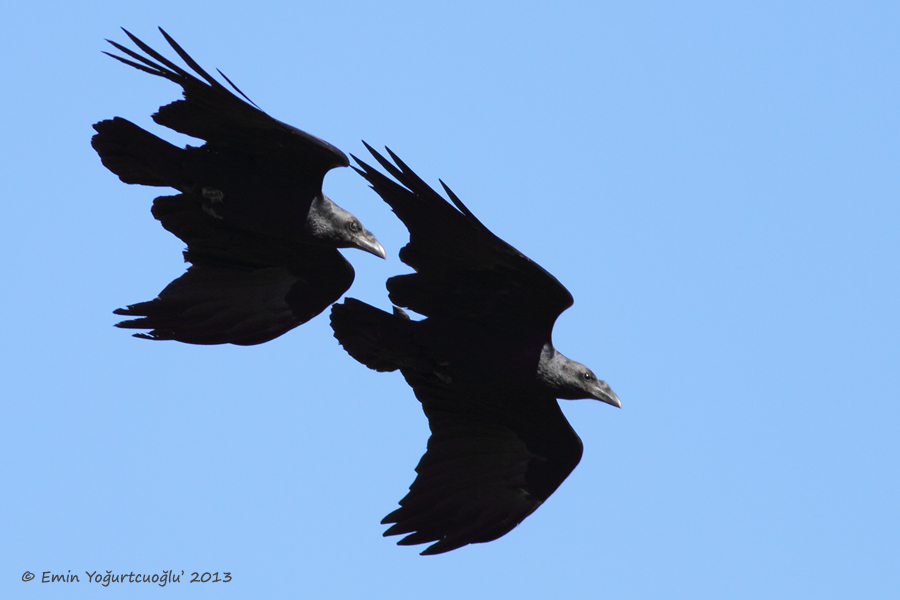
485	469
463	270
239	289
236	304
213	113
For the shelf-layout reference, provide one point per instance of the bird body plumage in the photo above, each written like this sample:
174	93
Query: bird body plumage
261	236
481	363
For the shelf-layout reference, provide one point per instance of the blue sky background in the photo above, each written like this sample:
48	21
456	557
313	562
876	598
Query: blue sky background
715	182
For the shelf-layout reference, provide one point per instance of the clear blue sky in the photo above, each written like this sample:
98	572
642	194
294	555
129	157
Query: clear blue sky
716	183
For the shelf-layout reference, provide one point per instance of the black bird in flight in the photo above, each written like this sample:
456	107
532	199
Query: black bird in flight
261	236
481	363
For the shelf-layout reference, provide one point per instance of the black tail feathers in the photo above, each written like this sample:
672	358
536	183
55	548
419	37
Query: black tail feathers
135	155
370	335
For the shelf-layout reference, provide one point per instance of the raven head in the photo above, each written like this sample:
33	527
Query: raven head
570	380
333	226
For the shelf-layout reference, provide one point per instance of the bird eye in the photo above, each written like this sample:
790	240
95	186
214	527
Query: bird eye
587	376
354	226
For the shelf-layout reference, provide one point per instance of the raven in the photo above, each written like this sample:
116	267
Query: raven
481	363
261	236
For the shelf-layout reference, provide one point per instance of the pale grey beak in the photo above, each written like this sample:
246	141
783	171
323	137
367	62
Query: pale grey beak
605	394
368	243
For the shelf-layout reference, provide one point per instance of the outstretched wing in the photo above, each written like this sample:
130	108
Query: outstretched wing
241	289
254	171
235	304
463	270
486	469
213	113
